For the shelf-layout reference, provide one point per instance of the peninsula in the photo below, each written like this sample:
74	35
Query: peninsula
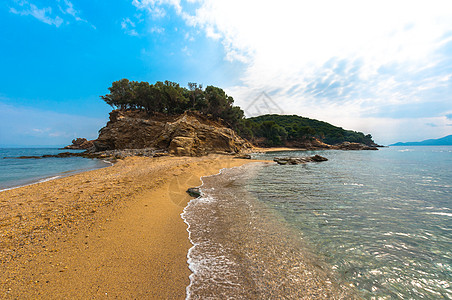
117	231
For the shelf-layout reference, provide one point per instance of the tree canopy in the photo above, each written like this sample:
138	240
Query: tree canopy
170	98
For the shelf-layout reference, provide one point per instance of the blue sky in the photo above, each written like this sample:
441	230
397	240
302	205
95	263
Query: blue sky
381	67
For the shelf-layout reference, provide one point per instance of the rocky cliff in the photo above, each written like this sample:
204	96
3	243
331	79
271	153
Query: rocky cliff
189	134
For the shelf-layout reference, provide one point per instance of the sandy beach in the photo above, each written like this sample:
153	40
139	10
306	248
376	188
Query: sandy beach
114	232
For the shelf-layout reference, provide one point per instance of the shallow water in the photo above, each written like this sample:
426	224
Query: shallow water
243	249
378	222
18	172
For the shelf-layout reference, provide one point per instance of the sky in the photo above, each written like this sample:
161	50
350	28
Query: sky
380	67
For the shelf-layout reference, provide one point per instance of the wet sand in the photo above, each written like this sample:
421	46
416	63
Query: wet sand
114	232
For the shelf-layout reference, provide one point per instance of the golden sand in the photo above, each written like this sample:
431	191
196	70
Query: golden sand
114	232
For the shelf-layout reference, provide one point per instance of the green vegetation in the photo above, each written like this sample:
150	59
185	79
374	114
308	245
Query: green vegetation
170	98
268	130
276	130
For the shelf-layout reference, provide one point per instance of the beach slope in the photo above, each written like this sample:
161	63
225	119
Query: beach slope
113	232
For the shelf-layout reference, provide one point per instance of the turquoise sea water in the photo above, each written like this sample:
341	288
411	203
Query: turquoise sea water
18	172
364	224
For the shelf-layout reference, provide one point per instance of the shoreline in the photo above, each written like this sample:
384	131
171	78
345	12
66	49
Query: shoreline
113	231
277	149
233	241
23	172
55	176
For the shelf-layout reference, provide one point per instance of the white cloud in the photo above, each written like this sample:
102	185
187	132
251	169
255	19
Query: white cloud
129	27
156	7
332	60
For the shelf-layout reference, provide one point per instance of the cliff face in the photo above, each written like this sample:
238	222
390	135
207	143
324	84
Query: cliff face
189	134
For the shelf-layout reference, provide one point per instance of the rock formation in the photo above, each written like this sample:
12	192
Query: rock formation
189	134
353	146
309	144
299	160
80	144
194	192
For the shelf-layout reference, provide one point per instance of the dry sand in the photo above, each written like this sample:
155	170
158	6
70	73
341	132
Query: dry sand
109	233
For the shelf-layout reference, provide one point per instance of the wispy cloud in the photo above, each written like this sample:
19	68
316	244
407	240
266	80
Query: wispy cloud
48	14
67	8
128	27
157	29
157	8
25	8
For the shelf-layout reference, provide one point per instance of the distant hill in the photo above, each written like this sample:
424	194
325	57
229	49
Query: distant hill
293	130
444	141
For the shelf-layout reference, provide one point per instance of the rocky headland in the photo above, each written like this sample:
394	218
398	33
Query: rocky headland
188	134
137	133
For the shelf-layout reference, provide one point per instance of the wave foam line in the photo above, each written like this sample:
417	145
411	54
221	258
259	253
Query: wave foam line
192	265
34	182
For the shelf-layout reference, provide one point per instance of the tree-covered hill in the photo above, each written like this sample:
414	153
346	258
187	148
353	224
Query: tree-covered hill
277	130
268	130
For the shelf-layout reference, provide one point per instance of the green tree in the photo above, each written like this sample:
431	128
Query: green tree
143	96
121	94
176	101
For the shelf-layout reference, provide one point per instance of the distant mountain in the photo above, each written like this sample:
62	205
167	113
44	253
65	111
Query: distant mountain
444	141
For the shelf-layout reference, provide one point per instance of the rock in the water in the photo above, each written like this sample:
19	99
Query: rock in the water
243	156
318	158
353	146
189	134
194	192
298	160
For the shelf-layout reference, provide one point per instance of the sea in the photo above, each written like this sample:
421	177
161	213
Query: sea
362	225
19	172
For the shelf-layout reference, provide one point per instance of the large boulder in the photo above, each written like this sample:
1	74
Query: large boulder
188	134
